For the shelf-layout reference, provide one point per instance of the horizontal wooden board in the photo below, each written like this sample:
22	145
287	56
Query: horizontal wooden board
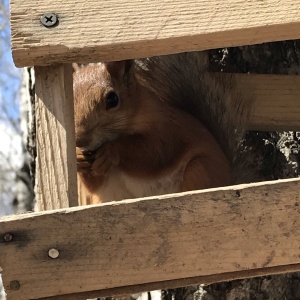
217	234
102	30
276	101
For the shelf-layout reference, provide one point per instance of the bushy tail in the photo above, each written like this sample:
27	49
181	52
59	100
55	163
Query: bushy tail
213	98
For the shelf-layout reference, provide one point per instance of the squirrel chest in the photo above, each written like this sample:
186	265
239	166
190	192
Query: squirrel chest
119	185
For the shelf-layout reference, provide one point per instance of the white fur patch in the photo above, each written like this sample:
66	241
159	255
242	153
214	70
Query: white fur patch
119	186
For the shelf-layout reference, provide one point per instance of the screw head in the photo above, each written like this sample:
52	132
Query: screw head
49	20
8	237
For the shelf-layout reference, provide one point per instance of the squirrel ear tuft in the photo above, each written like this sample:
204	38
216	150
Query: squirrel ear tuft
120	69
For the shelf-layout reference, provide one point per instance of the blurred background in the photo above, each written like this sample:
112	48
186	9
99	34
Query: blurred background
10	128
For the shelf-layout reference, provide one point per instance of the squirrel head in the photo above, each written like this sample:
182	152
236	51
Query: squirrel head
104	102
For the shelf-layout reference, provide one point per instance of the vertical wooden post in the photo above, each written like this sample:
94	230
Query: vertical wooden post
56	181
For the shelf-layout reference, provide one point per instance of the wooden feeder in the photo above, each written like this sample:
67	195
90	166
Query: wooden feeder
158	242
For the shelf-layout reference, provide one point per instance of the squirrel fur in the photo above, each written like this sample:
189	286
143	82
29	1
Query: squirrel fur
155	126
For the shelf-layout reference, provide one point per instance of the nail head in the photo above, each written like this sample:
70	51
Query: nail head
8	237
15	285
53	253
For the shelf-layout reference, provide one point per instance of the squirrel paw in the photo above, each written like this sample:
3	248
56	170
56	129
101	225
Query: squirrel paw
84	161
105	158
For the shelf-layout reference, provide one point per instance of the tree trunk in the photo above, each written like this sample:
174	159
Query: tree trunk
24	198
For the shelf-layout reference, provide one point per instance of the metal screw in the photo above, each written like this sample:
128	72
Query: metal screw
49	19
53	253
15	285
8	237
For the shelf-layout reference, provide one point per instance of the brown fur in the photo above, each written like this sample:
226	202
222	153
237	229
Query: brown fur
148	136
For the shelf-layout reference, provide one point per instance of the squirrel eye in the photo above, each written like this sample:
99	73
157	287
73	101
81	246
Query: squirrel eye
112	100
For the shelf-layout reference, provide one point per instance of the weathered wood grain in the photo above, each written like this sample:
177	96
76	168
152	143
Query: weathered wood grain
56	180
276	100
218	234
96	30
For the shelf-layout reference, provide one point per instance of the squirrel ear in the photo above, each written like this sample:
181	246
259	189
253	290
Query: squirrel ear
75	67
120	69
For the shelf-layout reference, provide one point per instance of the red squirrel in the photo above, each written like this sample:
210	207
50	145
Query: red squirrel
155	126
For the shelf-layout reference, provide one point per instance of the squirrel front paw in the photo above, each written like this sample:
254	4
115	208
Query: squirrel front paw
84	160
105	157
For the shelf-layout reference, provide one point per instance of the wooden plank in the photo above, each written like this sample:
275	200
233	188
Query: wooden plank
277	100
218	234
104	30
56	182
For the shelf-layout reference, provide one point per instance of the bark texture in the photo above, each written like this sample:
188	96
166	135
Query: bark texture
24	199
